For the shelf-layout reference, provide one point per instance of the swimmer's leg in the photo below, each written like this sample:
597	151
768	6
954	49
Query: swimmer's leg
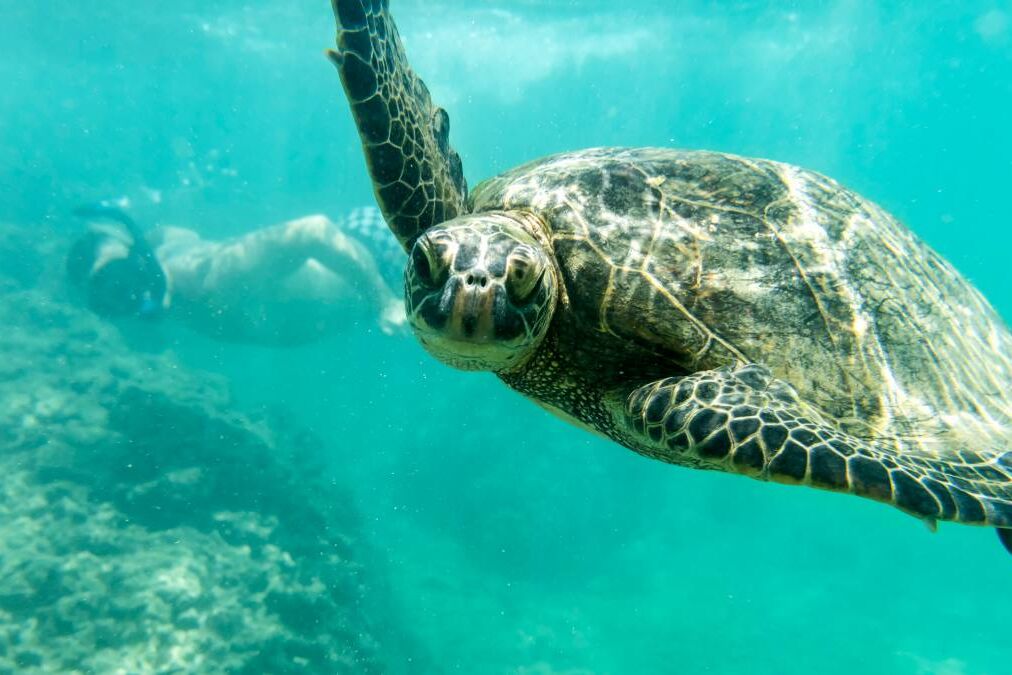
279	251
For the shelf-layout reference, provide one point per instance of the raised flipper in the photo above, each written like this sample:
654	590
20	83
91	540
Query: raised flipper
745	421
417	176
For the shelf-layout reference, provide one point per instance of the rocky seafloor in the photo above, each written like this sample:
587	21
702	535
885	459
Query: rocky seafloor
147	525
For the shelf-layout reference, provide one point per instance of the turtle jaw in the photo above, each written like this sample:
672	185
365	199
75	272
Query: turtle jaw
472	355
473	326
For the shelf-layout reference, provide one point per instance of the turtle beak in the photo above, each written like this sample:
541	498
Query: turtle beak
471	317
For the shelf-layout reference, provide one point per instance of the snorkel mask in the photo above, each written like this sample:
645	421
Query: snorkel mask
119	274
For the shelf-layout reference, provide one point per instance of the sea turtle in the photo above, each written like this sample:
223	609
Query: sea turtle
700	308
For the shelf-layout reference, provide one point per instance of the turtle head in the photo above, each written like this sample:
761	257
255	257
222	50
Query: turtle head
481	290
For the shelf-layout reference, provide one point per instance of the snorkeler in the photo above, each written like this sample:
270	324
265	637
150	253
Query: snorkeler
289	284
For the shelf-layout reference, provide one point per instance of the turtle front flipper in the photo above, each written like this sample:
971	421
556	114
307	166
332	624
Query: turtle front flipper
745	421
417	176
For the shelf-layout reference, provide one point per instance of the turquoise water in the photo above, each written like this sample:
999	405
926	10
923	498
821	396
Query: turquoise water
511	542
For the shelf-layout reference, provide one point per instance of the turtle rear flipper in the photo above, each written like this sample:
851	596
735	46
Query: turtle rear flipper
745	421
417	176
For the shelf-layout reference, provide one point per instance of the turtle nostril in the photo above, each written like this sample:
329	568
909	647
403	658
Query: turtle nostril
480	279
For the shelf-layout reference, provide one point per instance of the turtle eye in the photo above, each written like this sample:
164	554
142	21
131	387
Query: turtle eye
430	258
524	272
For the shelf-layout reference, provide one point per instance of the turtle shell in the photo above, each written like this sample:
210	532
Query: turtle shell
706	259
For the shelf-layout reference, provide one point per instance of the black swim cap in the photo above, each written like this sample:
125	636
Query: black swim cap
133	285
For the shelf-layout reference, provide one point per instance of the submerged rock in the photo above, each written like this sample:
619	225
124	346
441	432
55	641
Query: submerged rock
147	526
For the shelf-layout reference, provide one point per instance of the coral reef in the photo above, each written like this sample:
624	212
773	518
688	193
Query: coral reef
148	526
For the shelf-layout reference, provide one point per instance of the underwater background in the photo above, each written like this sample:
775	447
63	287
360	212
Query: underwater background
473	532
